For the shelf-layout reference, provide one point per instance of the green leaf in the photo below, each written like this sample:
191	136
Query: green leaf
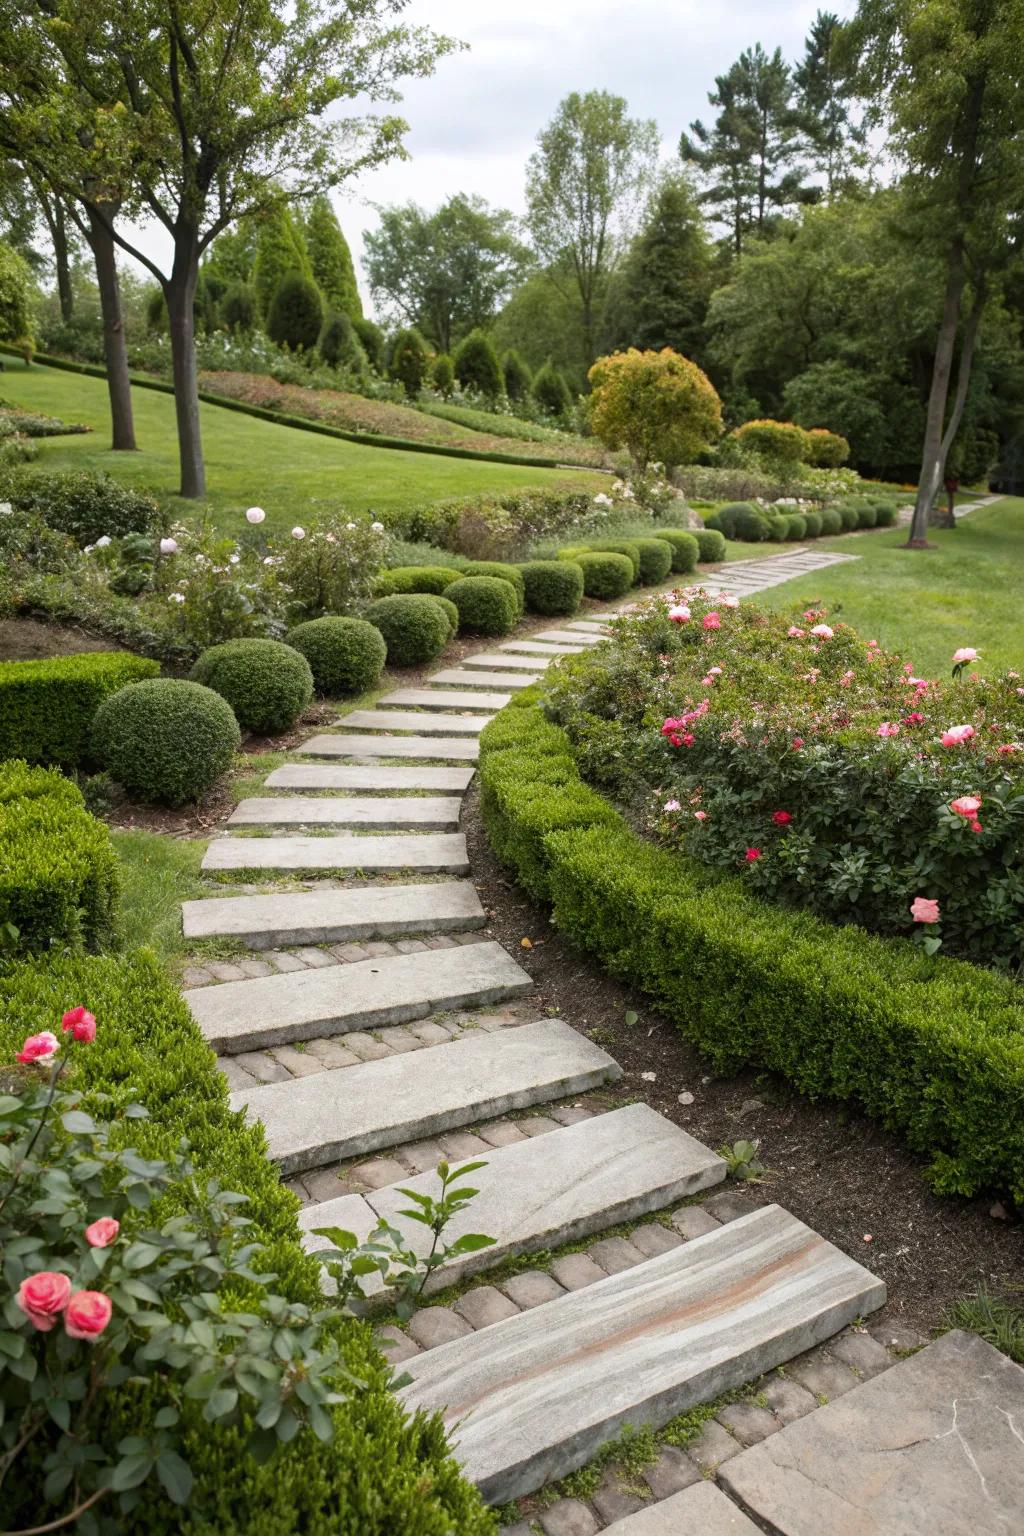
220	1403
77	1123
632	1017
175	1477
338	1236
130	1472
470	1242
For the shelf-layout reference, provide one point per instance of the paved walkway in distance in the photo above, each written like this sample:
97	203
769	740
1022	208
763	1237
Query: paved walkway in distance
905	515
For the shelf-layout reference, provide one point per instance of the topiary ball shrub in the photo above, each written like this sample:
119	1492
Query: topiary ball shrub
711	545
739	520
164	740
655	560
296	313
503	572
813	521
414	626
867	516
267	684
553	586
831	522
415	578
684	547
450	612
850	517
628	547
344	655
605	576
487	605
886	515
796	526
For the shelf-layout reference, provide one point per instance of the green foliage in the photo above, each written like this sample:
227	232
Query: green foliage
296	315
739	520
605	576
238	308
372	338
1000	1323
517	376
496	526
551	392
58	872
824	449
666	279
552	586
849	516
15	283
832	522
796	526
164	740
280	250
503	572
685	548
267	684
332	568
659	406
711	544
442	375
741	1161
410	361
655	560
414	627
331	259
338	344
415	578
345	655
778	442
486	604
812	524
47	707
450	612
628	547
87	506
477	367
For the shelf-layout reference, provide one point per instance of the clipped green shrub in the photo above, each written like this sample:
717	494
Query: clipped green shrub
886	515
684	547
739	520
867	515
477	366
813	521
850	517
605	576
85	505
628	547
442	375
338	344
450	612
711	545
552	586
164	740
267	684
517	376
372	338
47	707
831	522
487	605
503	572
797	526
655	560
414	627
551	392
344	655
296	313
414	578
410	361
238	308
58	870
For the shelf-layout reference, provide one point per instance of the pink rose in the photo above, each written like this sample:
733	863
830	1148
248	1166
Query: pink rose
781	818
976	826
923	910
797	743
88	1313
101	1233
700	815
707	682
679	614
714	671
42	1047
823	631
957	735
712	621
795	632
887	729
967	805
752	855
872	645
81	1024
965	653
42	1297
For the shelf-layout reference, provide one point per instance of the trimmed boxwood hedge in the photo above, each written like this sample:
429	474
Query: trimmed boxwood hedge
450	612
58	870
267	684
628	547
344	655
931	1048
47	707
684	546
166	741
415	578
503	572
414	626
488	605
655	560
605	576
552	586
711	544
383	1472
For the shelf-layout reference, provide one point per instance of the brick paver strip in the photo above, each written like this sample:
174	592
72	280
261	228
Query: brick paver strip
366	748
327	917
397	813
432	853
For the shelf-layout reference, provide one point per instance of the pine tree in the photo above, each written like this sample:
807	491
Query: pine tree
518	377
824	94
666	279
280	250
331	259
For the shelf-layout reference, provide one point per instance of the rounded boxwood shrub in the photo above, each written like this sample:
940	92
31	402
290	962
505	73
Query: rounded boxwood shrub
487	605
684	546
797	526
344	655
850	516
267	684
165	740
414	626
628	547
711	545
503	572
414	578
655	560
450	612
606	575
867	515
296	313
831	522
739	520
813	521
553	586
886	515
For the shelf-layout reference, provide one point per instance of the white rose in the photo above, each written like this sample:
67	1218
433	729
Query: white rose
377	527
235	559
350	527
168	546
103	542
176	597
298	533
5	509
255	515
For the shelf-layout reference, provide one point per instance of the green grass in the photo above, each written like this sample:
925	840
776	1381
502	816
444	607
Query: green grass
1000	1323
288	472
157	874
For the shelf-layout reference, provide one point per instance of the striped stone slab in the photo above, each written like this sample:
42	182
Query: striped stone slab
532	1398
465	677
368	994
330	917
542	648
490	661
433	853
702	1510
407	813
366	748
569	637
370	778
351	1111
443	698
425	724
590	626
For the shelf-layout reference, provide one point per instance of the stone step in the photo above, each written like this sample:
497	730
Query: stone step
424	724
702	1510
489	661
368	994
367	748
370	778
542	648
391	813
464	677
443	698
590	626
532	1398
551	1189
432	853
335	917
568	637
351	1111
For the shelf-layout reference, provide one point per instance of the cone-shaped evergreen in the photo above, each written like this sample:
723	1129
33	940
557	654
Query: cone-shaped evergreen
551	391
296	313
477	366
518	377
667	277
331	259
280	250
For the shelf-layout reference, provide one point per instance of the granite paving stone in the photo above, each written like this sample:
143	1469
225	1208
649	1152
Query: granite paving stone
537	1125
489	661
569	1517
672	1472
485	1305
731	1204
466	677
378	1173
298	1063
443	698
234	1072
460	1146
367	748
406	813
395	1345
432	1326
332	1053
615	1254
400	1039
532	1289
263	1067
652	1239
435	852
787	1399
503	1133
748	1422
422	722
825	1377
372	778
701	1510
612	1499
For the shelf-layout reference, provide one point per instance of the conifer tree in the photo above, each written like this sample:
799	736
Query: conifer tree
331	259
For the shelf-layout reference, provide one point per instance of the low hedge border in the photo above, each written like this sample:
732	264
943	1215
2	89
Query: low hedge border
383	1472
47	707
933	1049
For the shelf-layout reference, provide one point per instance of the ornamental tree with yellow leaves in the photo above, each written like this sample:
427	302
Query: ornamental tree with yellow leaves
659	406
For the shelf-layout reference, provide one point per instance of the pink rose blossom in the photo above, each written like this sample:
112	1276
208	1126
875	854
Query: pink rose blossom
680	614
967	805
707	682
913	719
752	855
1009	748
714	671
712	621
823	631
42	1297
81	1024
88	1313
872	645
781	818
795	632
700	815
101	1233
41	1047
923	910
957	735
887	728
965	653
797	743
729	602
846	679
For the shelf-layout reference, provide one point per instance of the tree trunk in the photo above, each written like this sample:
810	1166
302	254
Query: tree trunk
179	292
101	243
62	260
932	456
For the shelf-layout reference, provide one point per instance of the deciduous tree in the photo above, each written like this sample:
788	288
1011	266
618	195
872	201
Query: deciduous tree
659	406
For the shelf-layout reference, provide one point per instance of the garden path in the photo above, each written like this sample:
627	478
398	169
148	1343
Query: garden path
374	1029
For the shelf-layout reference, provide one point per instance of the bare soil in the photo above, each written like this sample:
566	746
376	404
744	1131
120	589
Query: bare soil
30	640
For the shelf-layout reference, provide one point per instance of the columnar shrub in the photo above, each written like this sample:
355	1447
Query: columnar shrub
238	308
267	684
477	366
684	546
487	605
296	313
414	627
605	576
166	741
551	392
517	376
338	344
442	375
344	655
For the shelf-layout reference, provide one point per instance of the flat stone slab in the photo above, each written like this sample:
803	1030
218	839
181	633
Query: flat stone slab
702	1510
367	994
394	813
329	917
432	853
934	1447
465	677
350	1111
366	748
368	778
590	626
425	724
488	661
569	637
532	1398
443	698
553	1189
542	648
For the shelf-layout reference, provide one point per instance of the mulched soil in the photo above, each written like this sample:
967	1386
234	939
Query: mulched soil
842	1175
29	640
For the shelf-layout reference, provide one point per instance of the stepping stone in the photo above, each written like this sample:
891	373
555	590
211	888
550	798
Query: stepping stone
331	917
551	1190
369	778
411	720
569	637
531	1399
589	626
366	748
491	660
394	813
440	698
433	853
539	648
311	1121
367	994
702	1510
935	1445
460	677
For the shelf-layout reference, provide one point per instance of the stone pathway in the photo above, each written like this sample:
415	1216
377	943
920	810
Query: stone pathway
905	516
363	1017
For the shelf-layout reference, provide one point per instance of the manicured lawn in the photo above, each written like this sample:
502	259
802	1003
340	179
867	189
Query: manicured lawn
157	874
249	462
